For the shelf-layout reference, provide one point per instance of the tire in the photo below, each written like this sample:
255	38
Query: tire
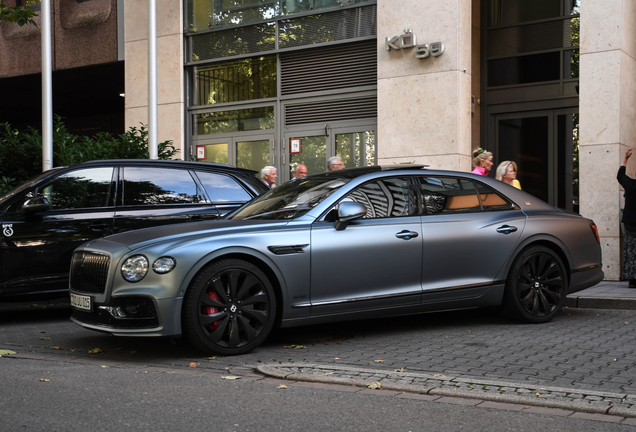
229	308
536	286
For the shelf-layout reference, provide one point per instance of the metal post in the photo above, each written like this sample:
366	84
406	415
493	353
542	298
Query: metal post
47	87
152	80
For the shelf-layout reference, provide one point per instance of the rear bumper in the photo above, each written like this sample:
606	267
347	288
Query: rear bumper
585	278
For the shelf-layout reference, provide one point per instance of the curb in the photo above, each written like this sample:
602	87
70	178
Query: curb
604	403
574	301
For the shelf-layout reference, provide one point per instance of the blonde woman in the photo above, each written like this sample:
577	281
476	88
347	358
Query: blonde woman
482	161
507	173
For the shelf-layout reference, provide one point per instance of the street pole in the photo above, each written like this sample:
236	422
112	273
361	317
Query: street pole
152	80
47	88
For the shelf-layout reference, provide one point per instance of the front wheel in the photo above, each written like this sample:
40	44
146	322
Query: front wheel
229	308
536	286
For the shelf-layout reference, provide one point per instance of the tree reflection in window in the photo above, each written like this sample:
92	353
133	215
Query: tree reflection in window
156	186
88	188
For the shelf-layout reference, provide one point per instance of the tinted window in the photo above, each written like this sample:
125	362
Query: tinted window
490	200
222	188
86	188
156	186
385	198
445	195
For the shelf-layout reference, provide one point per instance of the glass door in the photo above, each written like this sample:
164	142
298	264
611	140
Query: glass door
543	144
251	151
355	145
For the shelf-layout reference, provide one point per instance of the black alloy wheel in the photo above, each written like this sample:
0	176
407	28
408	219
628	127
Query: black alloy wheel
536	286
229	308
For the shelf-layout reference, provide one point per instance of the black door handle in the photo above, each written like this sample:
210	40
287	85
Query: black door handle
406	235
505	229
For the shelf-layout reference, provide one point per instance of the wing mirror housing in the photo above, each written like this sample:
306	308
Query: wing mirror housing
35	205
348	211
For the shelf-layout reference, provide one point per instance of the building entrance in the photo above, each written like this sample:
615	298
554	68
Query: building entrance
251	151
544	144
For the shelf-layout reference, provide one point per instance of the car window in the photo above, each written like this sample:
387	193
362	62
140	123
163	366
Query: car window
221	188
84	188
157	186
491	200
444	195
385	198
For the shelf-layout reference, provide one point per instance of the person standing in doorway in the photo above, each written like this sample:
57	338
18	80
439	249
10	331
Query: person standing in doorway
507	173
301	171
482	162
268	174
334	163
629	221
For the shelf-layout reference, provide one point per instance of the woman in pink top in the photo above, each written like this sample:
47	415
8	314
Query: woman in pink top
482	161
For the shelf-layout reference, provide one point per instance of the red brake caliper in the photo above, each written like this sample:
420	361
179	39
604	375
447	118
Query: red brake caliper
209	310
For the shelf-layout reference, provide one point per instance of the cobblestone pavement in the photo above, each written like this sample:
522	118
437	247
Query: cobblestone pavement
584	356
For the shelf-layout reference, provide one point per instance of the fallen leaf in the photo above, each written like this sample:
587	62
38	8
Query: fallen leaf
211	358
375	386
7	352
42	331
45	338
95	351
133	352
379	361
282	386
105	367
467	331
295	346
194	364
44	380
337	358
538	394
57	348
116	349
400	370
231	377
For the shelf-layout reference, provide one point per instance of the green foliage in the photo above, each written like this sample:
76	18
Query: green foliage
21	15
21	151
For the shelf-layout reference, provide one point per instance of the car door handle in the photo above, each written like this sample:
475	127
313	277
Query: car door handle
505	229
406	235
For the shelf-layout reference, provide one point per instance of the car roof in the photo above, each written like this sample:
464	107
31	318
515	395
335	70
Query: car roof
166	162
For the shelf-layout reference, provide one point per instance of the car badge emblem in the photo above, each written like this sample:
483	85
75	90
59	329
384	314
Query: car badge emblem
7	230
233	308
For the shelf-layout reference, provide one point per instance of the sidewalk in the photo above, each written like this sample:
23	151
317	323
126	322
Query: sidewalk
604	295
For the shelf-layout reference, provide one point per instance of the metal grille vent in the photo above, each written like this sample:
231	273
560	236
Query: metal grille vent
89	272
330	111
232	42
328	27
330	68
523	39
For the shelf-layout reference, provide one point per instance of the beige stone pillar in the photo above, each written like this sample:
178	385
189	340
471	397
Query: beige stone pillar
607	104
424	111
170	80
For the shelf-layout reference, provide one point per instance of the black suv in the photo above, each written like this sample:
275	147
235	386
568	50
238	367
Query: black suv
45	219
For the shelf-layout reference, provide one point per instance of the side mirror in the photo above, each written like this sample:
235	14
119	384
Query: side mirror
348	211
36	204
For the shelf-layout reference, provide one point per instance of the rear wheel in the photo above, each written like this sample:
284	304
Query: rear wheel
229	308
536	286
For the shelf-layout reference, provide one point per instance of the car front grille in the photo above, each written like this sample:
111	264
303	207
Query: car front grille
89	272
140	313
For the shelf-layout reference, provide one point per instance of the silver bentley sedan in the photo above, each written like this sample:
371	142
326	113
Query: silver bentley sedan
343	245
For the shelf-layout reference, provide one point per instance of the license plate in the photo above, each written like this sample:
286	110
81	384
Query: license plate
82	302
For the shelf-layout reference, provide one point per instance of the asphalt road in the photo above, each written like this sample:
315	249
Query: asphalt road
581	348
59	396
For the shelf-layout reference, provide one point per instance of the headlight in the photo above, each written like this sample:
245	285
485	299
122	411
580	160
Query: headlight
164	265
135	268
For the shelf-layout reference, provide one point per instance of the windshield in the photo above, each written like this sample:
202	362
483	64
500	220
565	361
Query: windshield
290	200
